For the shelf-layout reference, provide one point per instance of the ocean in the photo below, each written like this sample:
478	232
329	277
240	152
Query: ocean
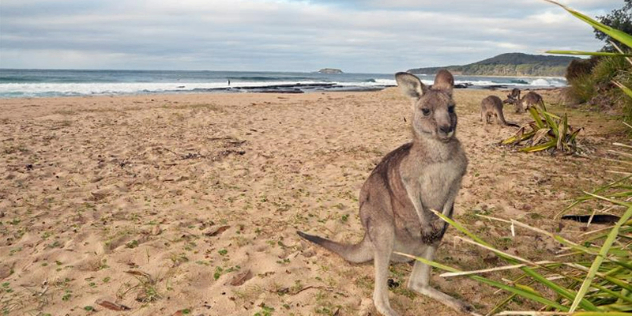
21	83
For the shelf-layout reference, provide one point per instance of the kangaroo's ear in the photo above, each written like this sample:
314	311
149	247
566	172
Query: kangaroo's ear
410	85
443	81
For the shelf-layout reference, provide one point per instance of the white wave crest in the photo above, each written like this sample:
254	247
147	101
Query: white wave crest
550	82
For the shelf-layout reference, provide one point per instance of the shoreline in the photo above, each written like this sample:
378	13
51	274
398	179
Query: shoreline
76	83
279	89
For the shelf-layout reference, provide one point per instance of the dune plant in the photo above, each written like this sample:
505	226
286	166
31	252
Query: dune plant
622	37
547	131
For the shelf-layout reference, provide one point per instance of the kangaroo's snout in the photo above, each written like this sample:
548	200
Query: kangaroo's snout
445	132
446	129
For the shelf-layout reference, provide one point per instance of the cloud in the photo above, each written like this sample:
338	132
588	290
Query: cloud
357	36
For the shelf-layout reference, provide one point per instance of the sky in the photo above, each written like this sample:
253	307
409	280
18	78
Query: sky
371	36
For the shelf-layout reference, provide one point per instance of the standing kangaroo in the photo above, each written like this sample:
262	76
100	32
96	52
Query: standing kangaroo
396	199
492	106
522	104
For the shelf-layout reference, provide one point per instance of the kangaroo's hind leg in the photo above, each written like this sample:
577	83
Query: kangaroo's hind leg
382	234
420	282
420	277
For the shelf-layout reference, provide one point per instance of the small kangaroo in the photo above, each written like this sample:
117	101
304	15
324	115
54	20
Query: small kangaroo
396	199
492	106
515	94
522	104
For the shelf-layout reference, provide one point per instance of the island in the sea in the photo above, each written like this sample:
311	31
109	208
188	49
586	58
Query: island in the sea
330	71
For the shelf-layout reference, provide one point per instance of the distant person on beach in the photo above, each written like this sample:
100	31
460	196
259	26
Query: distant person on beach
229	82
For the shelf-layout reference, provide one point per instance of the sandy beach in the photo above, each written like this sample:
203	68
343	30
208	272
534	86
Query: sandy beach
189	204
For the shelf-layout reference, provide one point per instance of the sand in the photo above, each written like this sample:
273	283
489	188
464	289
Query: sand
189	204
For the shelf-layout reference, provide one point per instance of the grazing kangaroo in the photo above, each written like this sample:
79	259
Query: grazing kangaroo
492	106
522	104
515	94
512	97
396	199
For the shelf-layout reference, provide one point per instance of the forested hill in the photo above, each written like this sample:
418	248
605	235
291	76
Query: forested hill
510	64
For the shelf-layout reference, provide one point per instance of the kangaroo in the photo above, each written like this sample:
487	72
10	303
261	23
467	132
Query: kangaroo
515	94
522	104
396	199
492	106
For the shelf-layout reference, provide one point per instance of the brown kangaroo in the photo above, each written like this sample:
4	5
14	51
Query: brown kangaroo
515	94
396	199
522	104
492	106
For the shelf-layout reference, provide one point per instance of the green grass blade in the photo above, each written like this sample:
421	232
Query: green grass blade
627	265
624	88
552	124
574	135
551	115
502	304
515	139
618	35
536	117
541	147
614	280
530	272
596	191
576	52
526	294
599	259
610	200
620	283
562	136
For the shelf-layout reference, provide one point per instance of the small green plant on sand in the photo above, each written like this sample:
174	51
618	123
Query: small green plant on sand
265	311
547	132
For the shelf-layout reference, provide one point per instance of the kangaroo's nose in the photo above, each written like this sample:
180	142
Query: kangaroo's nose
446	128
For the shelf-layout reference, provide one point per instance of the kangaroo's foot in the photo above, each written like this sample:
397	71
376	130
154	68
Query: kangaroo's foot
446	299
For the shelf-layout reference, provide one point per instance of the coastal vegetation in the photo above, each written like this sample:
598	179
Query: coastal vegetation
604	81
510	64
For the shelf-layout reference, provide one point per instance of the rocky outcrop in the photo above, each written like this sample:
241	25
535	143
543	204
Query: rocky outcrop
330	71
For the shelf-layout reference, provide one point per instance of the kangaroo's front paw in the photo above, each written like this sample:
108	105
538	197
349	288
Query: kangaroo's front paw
432	233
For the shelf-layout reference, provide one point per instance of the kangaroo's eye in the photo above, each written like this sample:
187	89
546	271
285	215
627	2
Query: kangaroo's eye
426	112
451	109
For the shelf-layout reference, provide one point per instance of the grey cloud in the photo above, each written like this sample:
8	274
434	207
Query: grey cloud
280	35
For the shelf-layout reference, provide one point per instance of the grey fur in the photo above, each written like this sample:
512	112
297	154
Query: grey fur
396	199
522	104
491	107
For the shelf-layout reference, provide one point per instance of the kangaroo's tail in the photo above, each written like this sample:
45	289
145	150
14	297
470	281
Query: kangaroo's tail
502	120
358	253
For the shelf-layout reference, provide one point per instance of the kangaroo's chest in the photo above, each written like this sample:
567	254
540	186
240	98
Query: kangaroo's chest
437	181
